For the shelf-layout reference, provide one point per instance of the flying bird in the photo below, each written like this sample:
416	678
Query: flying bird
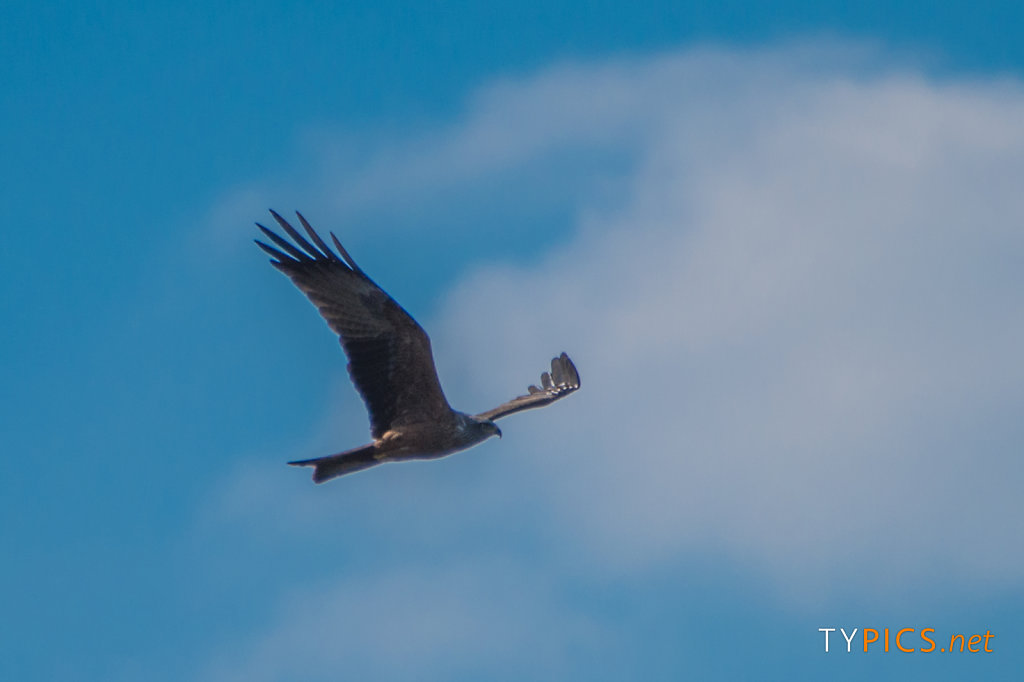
390	361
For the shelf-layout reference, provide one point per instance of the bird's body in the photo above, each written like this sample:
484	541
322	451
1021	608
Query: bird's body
391	362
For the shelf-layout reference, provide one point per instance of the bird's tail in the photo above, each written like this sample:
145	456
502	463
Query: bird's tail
342	463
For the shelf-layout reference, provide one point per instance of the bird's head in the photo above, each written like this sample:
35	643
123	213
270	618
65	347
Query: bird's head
489	428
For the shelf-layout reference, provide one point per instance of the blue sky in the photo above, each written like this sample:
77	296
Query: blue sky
782	240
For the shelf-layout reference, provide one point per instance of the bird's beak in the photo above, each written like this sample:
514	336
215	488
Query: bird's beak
498	430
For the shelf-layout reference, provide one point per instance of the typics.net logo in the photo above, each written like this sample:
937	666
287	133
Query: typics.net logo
905	640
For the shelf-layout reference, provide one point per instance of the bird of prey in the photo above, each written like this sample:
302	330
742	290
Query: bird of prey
390	361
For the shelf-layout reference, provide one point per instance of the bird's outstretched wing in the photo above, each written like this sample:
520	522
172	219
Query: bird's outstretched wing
560	382
389	354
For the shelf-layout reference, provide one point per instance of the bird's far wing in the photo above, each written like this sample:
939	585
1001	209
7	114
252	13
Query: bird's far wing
389	354
560	382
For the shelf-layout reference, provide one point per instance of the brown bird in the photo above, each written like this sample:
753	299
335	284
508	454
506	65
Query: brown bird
390	362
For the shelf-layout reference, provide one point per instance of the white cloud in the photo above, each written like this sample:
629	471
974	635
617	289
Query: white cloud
799	335
524	131
423	624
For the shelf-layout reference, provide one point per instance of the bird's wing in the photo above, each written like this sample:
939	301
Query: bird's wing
560	382
389	354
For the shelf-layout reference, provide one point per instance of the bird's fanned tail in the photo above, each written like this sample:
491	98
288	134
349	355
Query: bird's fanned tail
342	463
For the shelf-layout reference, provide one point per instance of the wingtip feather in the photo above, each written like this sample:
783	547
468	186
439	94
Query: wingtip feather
569	368
311	252
344	254
278	257
324	249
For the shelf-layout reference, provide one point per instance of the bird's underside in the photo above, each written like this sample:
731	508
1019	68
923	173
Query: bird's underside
390	361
